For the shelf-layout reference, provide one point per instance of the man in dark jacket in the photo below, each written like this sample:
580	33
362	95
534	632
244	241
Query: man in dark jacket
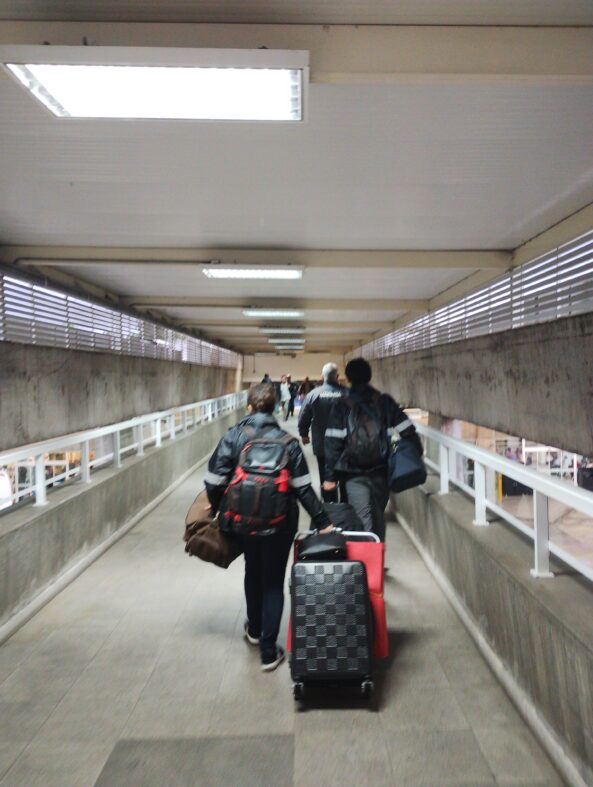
314	416
265	556
365	478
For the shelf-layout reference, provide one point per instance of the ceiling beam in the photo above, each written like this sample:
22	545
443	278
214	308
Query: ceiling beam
353	304
359	54
65	257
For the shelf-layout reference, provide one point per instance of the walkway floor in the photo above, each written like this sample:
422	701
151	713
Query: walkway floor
137	675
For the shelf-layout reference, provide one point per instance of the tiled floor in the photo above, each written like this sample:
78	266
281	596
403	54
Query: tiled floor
129	672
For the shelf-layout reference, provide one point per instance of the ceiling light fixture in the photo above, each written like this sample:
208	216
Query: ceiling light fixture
162	83
282	330
280	314
286	340
284	273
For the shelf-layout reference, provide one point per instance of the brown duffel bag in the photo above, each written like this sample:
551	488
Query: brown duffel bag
204	539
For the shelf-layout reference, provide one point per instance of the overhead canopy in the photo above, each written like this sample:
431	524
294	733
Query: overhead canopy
402	183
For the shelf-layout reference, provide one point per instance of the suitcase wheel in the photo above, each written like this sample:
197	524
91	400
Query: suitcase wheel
367	688
298	690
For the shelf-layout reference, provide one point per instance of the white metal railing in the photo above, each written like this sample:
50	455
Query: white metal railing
145	430
544	489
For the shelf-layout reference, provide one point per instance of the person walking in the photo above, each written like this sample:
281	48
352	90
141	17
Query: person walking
314	416
306	387
357	442
292	388
284	395
266	555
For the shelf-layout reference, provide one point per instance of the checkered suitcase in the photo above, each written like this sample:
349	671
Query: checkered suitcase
331	625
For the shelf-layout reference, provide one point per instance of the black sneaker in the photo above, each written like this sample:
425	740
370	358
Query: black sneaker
269	663
247	635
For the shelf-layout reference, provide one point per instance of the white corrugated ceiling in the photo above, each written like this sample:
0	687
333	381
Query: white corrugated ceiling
375	12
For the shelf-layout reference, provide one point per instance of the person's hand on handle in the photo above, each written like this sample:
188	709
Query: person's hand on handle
306	440
327	529
329	486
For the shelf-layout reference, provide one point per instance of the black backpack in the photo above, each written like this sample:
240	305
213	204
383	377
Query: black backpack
256	502
368	444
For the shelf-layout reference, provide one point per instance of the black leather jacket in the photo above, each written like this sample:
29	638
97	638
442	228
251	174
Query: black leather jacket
337	462
224	460
315	412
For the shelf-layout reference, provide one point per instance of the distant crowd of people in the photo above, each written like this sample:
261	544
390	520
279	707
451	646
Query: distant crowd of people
287	392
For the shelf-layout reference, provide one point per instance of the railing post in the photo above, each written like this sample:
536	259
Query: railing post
210	409
140	440
157	433
541	536
444	469
184	421
480	494
172	432
117	448
40	487
85	462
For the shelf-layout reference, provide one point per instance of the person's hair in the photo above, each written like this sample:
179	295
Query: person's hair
262	398
329	371
358	371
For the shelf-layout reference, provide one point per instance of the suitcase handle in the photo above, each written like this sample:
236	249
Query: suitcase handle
361	535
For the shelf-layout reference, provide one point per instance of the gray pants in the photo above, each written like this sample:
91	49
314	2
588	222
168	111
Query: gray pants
368	495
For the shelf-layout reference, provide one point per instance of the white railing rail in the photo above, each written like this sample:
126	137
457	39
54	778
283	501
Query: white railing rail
544	489
147	430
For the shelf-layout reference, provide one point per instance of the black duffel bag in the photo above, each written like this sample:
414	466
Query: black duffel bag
322	546
406	468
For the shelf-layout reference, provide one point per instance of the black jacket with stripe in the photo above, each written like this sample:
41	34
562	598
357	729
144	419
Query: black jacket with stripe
338	462
315	412
225	458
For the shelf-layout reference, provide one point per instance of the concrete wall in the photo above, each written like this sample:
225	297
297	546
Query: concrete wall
540	629
38	545
46	392
534	382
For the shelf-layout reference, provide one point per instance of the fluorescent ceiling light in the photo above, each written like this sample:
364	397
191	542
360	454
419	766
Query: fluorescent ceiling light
282	330
285	340
176	84
284	273
281	314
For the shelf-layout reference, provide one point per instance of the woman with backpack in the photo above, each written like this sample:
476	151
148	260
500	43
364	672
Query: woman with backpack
255	477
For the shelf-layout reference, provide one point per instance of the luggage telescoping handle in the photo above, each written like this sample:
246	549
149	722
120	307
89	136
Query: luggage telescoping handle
360	535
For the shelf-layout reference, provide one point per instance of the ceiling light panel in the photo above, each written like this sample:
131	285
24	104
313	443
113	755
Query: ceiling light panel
279	314
286	340
174	84
283	273
288	331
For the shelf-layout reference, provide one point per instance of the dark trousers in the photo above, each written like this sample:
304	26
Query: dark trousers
368	495
327	497
289	408
265	566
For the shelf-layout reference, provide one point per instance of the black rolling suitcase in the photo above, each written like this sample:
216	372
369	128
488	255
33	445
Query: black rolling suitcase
331	625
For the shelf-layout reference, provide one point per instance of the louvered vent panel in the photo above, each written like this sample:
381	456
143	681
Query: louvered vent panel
557	284
33	314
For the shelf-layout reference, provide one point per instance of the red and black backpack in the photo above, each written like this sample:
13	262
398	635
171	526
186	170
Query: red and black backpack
256	501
